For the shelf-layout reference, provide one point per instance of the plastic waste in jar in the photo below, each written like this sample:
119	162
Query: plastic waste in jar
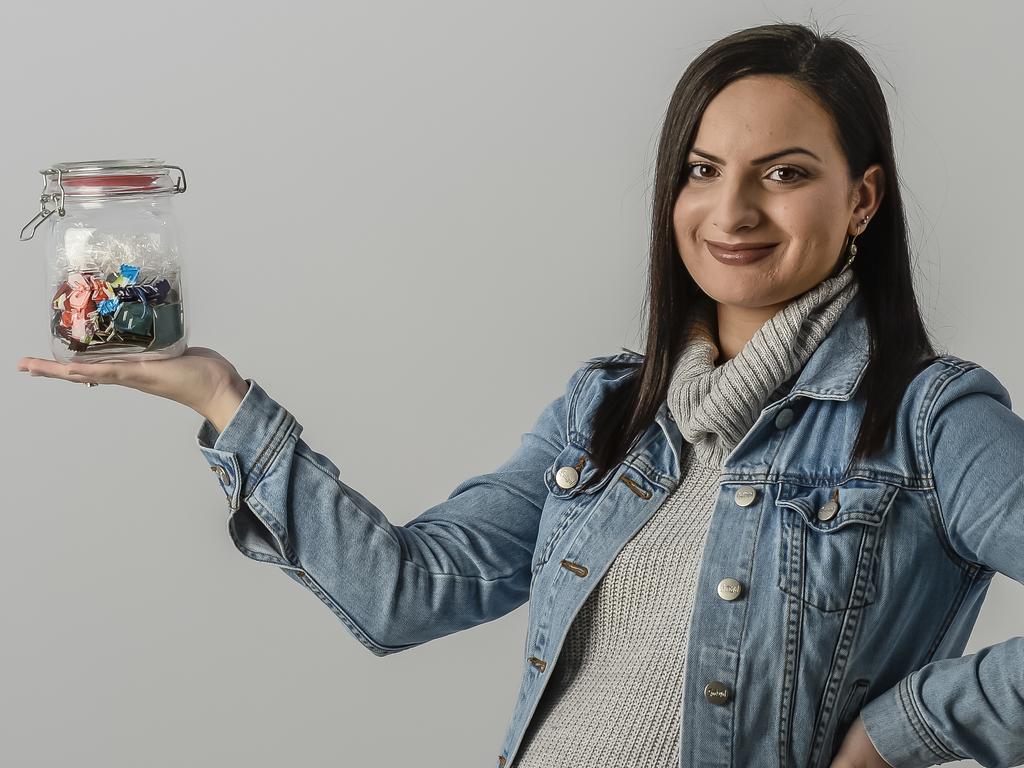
113	255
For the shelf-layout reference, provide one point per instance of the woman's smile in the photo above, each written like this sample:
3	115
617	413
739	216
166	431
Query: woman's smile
738	256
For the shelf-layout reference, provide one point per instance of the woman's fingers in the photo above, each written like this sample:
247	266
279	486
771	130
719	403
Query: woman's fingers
195	378
100	373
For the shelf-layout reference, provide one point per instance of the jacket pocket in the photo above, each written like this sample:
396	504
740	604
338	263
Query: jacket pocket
829	540
564	479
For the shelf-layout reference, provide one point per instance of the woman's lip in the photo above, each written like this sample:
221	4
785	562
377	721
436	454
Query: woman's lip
739	257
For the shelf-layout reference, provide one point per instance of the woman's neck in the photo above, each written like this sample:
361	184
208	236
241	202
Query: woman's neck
737	326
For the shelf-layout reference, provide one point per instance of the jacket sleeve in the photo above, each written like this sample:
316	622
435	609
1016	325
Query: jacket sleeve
971	706
462	562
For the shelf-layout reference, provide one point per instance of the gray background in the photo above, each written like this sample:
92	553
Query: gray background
409	222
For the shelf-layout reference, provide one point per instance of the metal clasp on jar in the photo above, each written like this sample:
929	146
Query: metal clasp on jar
44	214
57	198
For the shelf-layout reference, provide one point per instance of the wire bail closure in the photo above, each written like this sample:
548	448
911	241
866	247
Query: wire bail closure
57	198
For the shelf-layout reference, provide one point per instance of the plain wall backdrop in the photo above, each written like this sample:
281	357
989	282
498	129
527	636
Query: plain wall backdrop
410	222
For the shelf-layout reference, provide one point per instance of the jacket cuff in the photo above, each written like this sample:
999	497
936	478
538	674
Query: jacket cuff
894	724
240	455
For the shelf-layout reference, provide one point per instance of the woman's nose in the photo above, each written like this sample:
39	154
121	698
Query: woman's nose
736	207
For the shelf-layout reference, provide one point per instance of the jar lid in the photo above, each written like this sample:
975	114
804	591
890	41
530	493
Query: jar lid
100	179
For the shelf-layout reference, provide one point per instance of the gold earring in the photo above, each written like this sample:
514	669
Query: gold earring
852	247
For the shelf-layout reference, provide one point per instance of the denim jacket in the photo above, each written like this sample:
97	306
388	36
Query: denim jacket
826	588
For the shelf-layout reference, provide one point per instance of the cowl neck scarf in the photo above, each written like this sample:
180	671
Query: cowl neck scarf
715	405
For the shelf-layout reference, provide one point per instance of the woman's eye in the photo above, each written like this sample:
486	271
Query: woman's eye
790	173
796	175
698	165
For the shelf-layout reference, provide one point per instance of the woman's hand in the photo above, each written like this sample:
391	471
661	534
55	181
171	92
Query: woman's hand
857	751
200	378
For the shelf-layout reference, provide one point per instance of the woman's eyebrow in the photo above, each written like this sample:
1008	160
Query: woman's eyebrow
759	160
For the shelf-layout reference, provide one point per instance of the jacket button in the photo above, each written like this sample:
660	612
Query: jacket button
501	761
729	589
220	472
717	693
784	418
745	495
538	663
567	477
828	510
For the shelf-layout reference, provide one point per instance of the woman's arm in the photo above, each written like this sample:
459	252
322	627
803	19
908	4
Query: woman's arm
971	706
462	562
224	403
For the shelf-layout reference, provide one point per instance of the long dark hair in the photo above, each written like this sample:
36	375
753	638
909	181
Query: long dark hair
837	74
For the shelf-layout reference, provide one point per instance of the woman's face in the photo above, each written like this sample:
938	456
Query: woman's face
803	204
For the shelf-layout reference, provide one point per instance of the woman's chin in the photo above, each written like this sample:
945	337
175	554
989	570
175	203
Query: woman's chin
743	294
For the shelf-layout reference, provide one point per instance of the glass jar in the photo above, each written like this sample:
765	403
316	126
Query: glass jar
113	255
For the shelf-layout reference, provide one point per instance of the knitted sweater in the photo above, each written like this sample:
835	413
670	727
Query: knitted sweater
613	700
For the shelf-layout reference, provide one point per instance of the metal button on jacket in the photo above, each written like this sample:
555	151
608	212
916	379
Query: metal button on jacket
828	510
784	418
729	589
745	495
567	477
717	693
220	472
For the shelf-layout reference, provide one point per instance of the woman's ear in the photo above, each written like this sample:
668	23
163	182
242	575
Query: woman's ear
868	194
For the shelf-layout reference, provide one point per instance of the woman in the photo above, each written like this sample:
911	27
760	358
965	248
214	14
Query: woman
765	540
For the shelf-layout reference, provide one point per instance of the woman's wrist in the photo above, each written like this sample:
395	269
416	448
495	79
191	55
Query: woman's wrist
225	402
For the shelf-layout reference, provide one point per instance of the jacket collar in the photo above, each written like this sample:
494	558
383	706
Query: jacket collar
836	368
833	371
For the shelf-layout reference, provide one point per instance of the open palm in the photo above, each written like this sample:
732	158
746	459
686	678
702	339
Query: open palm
196	378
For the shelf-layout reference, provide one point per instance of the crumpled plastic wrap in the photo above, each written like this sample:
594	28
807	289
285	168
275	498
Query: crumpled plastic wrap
116	291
